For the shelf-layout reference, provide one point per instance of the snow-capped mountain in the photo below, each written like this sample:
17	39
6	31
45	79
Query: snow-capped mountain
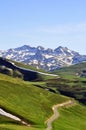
42	58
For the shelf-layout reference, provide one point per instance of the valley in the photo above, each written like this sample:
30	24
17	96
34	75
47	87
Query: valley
32	102
43	65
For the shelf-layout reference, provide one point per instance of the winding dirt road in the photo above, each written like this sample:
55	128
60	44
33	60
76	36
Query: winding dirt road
56	113
48	122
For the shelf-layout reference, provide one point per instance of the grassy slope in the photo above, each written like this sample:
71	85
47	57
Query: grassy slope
20	64
9	124
27	101
71	70
72	118
25	95
43	77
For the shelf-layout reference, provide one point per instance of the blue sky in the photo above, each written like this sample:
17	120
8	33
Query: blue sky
49	23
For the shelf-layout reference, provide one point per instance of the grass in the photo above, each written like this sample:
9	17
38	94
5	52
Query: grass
71	70
33	104
75	87
72	118
43	77
9	124
20	64
20	74
23	99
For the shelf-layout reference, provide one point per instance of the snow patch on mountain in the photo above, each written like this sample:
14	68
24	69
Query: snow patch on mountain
43	58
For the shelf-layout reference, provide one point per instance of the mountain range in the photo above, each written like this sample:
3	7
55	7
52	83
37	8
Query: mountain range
41	58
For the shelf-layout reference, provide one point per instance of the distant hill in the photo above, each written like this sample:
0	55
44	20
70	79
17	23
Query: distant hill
71	81
41	58
9	68
76	69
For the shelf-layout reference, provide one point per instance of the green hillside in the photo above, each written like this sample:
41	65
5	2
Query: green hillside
20	64
20	70
28	102
32	101
71	118
71	70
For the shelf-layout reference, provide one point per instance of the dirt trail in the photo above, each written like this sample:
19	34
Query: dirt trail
6	114
56	113
48	122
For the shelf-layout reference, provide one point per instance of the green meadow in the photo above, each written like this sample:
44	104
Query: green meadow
71	118
71	71
30	103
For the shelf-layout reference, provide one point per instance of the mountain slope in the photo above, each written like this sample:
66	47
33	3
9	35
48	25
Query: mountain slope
27	101
20	70
72	118
73	70
11	69
72	81
34	104
42	58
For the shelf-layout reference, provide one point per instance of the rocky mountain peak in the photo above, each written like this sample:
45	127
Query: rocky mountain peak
47	59
40	48
63	51
24	47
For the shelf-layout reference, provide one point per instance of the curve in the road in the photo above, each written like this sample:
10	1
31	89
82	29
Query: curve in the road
56	113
